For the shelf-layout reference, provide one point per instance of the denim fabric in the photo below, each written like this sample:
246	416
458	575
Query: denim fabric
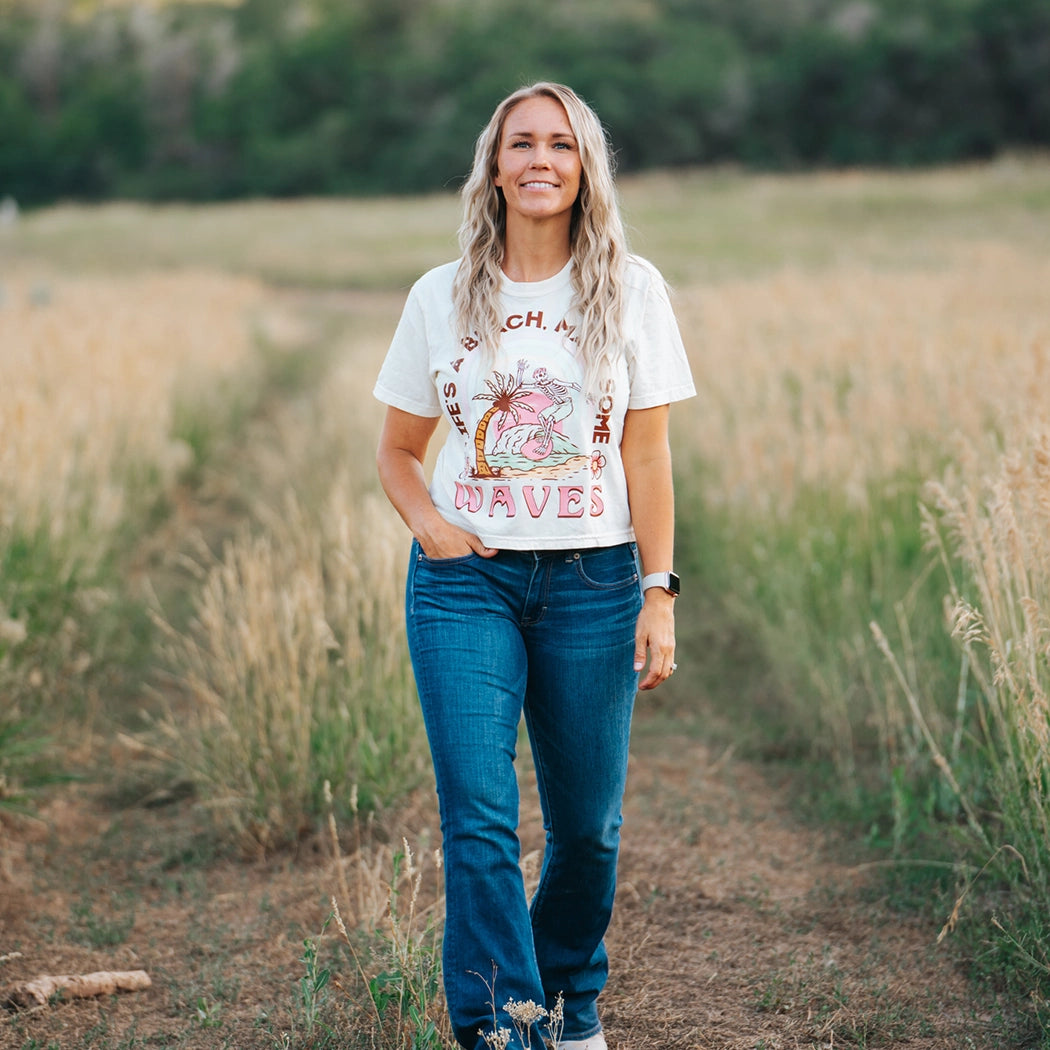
549	634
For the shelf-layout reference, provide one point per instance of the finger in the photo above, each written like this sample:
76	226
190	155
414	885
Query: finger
652	680
654	676
641	648
659	671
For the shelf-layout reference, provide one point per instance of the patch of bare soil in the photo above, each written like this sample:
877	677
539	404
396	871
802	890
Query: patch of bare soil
735	927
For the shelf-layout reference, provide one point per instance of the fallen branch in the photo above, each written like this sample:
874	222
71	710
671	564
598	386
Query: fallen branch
40	990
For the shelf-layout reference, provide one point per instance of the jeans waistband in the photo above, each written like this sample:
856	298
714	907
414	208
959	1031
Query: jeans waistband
558	554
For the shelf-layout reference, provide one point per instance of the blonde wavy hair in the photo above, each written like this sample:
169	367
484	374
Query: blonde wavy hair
596	236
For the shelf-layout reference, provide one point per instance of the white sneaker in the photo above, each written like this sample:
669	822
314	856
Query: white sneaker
592	1042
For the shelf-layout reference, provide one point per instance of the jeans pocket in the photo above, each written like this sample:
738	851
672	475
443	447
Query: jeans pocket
608	568
439	562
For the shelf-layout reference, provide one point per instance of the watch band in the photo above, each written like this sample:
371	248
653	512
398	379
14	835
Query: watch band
669	581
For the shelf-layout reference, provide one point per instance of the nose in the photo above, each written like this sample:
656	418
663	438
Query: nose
541	158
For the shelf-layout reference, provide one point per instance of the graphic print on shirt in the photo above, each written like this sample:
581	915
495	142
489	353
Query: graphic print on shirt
521	432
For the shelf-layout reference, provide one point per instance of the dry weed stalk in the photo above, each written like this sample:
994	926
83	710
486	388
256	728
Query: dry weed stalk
931	741
953	919
402	974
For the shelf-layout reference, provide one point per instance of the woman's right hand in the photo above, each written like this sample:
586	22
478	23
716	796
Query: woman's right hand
445	540
402	447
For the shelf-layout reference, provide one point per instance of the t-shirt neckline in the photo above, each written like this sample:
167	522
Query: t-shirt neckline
534	288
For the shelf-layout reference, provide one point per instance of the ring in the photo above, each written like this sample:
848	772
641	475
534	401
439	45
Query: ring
674	667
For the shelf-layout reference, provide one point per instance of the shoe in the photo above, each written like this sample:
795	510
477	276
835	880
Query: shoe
592	1042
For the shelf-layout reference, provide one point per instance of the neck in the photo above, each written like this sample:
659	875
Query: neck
535	252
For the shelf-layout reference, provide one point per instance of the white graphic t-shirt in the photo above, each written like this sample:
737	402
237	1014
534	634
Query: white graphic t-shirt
532	460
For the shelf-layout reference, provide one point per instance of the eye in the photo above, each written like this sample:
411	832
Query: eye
518	144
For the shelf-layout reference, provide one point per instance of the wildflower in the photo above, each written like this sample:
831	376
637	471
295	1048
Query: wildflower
497	1039
525	1013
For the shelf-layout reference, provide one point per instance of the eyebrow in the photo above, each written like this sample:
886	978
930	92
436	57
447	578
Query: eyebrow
512	134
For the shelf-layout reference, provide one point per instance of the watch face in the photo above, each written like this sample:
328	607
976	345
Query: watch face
674	584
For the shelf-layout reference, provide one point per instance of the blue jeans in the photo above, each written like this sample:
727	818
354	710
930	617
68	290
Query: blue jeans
550	634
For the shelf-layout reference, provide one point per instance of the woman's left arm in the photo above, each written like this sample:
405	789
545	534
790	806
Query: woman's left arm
646	454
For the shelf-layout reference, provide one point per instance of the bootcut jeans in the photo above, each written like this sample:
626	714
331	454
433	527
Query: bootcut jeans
549	634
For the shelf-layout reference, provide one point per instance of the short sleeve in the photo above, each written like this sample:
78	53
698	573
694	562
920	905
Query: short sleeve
406	377
659	367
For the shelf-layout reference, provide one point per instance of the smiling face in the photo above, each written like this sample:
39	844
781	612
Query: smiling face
538	165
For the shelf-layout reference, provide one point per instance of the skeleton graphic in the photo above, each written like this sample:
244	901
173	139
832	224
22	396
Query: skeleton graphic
556	391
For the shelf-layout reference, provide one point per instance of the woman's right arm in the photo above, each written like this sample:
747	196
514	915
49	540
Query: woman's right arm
402	447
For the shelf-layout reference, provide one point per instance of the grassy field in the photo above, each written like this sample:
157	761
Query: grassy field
195	562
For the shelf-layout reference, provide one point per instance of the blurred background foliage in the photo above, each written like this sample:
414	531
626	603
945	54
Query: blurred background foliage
209	100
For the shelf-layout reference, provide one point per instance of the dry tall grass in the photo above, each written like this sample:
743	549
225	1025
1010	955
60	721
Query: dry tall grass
835	380
103	382
92	373
295	671
295	664
295	667
998	528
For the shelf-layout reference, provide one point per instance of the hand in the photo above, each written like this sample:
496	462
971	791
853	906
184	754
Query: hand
446	540
654	634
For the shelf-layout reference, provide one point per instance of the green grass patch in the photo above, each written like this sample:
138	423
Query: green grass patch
796	597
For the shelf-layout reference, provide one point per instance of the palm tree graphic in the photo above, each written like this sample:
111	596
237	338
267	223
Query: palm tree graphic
506	393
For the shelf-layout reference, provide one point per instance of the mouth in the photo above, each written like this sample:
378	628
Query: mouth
539	186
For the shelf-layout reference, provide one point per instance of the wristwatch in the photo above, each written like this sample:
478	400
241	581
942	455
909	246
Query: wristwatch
668	580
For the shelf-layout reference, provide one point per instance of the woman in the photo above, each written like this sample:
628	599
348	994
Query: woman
554	356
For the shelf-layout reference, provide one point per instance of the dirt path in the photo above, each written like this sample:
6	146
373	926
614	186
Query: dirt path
737	929
734	927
